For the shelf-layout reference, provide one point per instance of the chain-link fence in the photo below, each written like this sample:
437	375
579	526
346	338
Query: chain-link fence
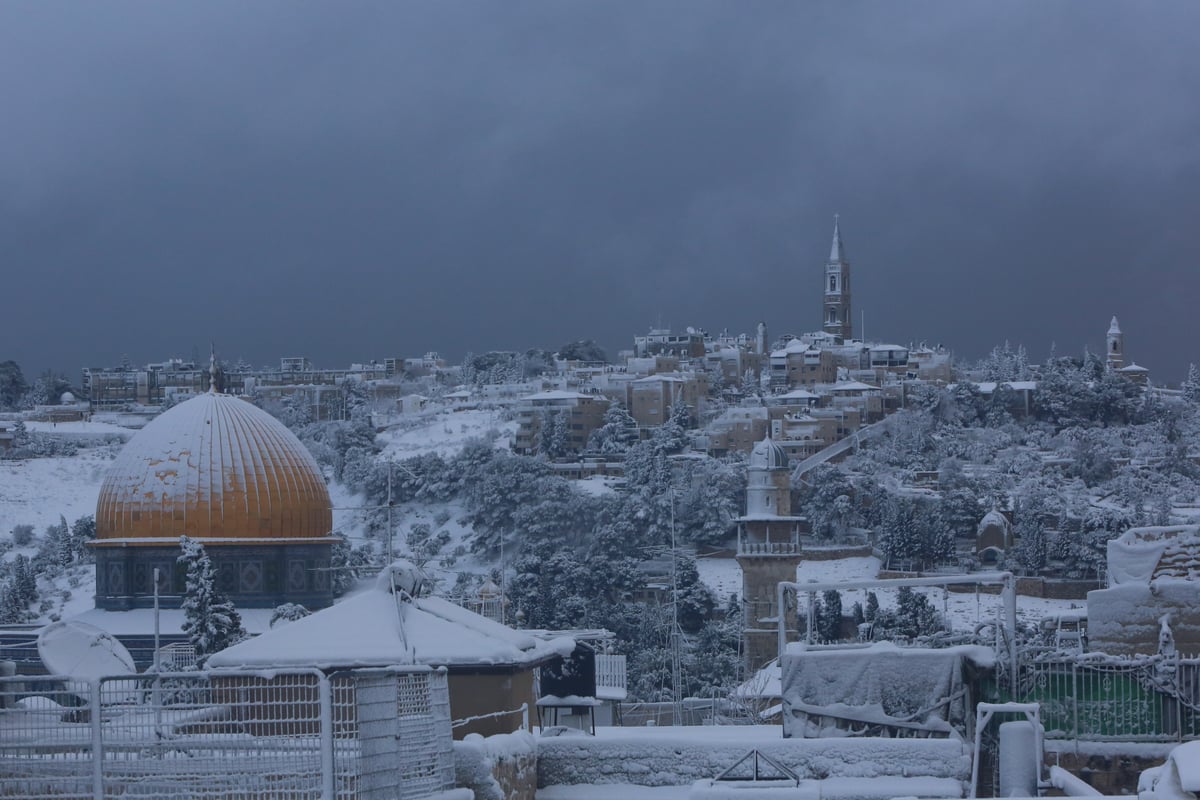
224	734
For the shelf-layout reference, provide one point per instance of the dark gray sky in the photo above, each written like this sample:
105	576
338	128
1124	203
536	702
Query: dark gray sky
361	180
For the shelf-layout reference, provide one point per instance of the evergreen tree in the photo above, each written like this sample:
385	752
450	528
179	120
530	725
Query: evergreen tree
872	609
1190	387
12	386
1030	533
83	530
617	434
553	433
211	621
829	623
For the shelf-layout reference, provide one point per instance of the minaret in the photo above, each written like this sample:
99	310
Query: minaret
837	314
768	551
1115	346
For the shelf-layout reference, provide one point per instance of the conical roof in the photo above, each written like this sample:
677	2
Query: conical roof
214	467
837	251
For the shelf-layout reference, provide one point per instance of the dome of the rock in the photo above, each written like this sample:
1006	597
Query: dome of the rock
214	467
220	470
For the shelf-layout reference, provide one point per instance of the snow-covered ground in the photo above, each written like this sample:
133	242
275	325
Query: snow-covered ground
443	432
37	491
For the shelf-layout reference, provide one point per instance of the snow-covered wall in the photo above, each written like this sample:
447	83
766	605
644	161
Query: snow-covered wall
1124	619
500	767
680	756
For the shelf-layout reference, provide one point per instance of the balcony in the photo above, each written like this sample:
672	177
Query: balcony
768	548
610	677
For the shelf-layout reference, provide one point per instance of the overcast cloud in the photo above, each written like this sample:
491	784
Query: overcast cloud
351	181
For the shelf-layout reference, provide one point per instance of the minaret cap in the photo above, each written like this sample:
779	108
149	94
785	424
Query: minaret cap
1113	327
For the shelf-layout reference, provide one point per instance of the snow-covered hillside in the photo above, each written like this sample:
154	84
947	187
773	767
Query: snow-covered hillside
38	491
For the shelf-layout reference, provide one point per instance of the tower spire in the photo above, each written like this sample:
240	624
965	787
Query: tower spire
212	368
836	250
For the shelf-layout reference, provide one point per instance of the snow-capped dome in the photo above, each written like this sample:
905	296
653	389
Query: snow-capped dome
768	455
67	398
214	467
993	519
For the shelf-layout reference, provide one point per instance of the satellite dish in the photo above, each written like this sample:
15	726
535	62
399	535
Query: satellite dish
82	652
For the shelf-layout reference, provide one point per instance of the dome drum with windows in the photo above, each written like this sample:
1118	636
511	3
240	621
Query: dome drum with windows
220	470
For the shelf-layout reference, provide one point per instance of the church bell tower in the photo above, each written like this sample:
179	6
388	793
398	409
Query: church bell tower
1115	346
837	315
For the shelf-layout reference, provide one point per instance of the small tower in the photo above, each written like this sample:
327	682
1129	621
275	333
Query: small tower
760	339
1115	346
768	549
837	315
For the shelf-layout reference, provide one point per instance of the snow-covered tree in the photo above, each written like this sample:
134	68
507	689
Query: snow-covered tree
1191	385
829	623
288	612
12	385
617	434
211	621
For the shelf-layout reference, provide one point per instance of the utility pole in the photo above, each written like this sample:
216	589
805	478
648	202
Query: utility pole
676	667
389	555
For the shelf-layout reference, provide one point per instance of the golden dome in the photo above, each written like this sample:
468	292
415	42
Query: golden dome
213	467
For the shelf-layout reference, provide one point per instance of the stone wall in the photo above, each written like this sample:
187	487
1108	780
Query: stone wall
1112	768
502	767
1124	620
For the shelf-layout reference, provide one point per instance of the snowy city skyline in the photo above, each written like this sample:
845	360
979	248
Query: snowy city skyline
366	181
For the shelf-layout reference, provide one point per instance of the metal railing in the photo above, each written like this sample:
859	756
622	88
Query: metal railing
769	548
1149	698
610	677
283	735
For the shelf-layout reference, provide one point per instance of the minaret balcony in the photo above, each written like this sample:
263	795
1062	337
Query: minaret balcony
768	548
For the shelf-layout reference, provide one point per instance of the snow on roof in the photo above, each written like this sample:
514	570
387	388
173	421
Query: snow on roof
557	394
366	630
987	387
798	394
1133	368
888	347
993	518
1114	327
764	683
794	346
1141	554
659	379
852	386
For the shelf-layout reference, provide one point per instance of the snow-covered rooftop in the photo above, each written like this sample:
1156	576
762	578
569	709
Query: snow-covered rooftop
375	629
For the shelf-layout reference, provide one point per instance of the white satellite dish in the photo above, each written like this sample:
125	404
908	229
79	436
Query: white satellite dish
82	652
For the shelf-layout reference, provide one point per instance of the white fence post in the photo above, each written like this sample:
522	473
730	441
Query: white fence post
97	721
325	697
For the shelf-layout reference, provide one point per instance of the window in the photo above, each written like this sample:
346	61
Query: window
833	283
